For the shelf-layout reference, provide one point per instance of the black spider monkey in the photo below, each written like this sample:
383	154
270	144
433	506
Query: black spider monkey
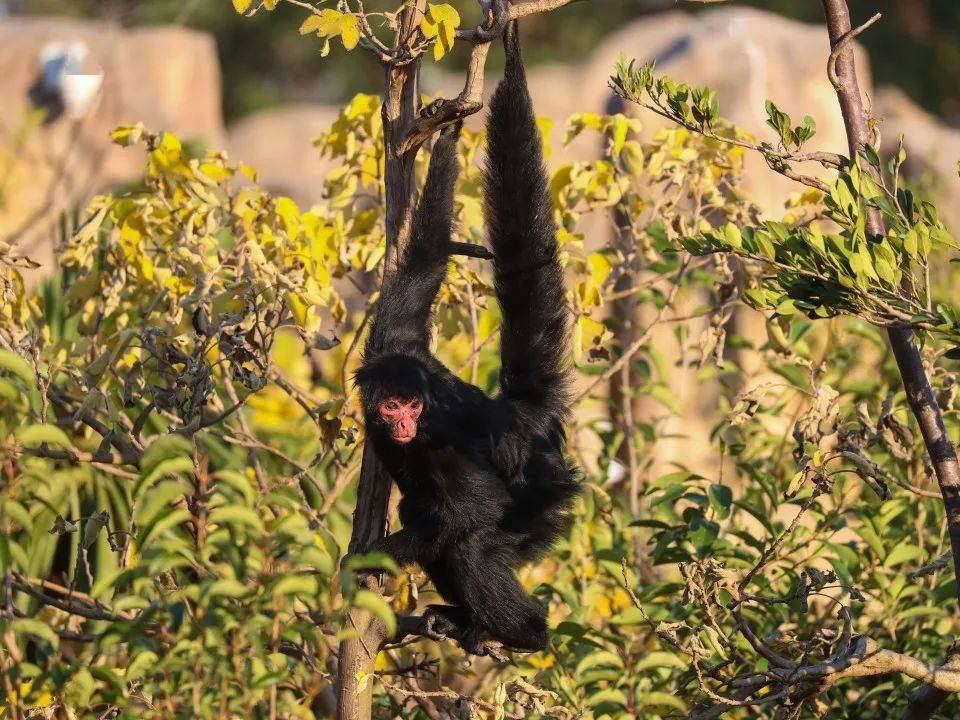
485	481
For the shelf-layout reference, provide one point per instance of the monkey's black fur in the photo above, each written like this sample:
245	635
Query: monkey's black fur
485	483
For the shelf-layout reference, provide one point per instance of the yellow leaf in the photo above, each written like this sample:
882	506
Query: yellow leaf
311	24
127	135
329	25
440	22
169	151
590	333
241	6
600	267
443	14
289	213
620	129
562	177
631	155
216	172
249	171
349	31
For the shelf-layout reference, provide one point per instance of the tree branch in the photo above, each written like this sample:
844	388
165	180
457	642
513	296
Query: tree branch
441	113
919	392
920	395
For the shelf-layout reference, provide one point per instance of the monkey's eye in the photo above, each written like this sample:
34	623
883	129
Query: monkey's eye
416	404
393	405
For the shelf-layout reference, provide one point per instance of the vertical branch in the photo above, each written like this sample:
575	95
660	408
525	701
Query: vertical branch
625	311
920	395
400	99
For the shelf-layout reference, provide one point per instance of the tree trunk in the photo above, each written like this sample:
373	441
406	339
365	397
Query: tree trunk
903	342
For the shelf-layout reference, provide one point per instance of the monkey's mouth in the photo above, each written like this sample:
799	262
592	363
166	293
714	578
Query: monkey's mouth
403	435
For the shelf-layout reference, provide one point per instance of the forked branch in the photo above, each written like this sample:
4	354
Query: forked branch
443	112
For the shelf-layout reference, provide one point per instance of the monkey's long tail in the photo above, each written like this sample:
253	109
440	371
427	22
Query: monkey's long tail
528	276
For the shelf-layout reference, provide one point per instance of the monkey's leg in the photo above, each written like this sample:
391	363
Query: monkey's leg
496	602
404	546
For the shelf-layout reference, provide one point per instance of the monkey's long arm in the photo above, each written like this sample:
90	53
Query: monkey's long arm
402	321
528	276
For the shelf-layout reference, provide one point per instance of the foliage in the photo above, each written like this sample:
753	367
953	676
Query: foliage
846	557
165	376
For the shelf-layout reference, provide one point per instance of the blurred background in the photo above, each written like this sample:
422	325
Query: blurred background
72	70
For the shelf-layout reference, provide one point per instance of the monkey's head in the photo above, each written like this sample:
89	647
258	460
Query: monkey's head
395	391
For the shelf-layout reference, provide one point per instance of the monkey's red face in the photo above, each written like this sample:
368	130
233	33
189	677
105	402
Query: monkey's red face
401	416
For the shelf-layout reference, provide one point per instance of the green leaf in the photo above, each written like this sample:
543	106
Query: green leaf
17	366
630	616
296	585
610	696
34	435
8	391
226	587
377	606
29	626
732	236
721	498
663	394
164	448
911	243
139	666
904	552
79	690
16	512
148	508
169	467
658	659
598	658
236	515
372	561
869	154
873	540
661	700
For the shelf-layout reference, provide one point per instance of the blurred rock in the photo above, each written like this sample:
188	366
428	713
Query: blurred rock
933	149
278	143
166	77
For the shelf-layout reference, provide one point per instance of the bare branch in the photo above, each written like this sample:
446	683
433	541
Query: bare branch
441	113
839	46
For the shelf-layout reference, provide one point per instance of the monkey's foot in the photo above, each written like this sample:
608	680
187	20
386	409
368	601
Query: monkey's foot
489	648
478	642
436	625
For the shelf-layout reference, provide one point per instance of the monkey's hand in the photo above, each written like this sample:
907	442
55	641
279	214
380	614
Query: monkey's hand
436	626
